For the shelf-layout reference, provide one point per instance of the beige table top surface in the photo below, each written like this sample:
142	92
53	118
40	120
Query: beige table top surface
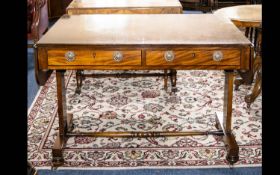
123	3
243	13
152	29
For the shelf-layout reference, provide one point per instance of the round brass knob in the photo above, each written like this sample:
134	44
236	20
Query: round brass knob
217	55
70	56
118	56
169	56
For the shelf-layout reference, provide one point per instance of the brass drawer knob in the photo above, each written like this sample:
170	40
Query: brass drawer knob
118	56
217	55
70	56
169	56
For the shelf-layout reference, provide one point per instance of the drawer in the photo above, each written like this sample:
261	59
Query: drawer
193	57
94	57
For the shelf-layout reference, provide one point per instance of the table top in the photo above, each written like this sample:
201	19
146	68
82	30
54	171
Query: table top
241	13
123	3
155	29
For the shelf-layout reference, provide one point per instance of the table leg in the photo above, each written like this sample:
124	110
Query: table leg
230	143
79	80
57	151
173	79
246	78
258	84
224	120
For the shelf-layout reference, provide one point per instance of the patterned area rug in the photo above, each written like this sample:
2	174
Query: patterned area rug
141	104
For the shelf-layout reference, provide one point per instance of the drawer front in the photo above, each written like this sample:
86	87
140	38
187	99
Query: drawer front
94	57
193	57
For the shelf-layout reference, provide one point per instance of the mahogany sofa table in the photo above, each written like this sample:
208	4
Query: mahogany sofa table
125	7
132	42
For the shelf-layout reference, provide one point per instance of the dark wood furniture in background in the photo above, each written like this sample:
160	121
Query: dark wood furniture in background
201	5
37	25
217	4
209	5
250	18
37	19
257	69
112	46
57	8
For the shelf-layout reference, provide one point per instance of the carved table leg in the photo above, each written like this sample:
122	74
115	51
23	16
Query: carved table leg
57	151
224	120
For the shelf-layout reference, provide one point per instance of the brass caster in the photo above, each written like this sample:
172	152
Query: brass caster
232	159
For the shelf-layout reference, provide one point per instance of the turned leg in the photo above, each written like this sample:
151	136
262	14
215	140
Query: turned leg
224	120
79	80
57	151
173	80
